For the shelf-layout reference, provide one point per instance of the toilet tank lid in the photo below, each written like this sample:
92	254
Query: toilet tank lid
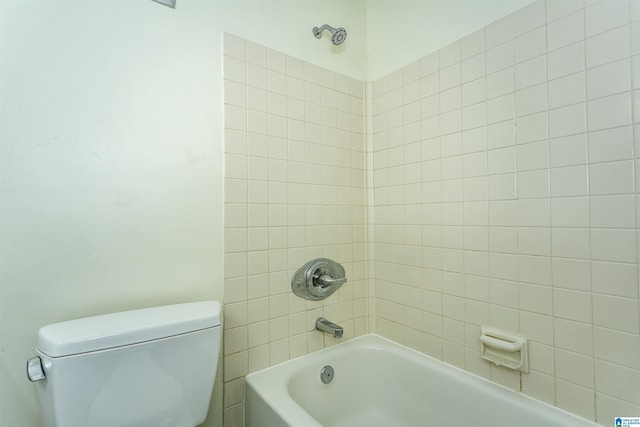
127	327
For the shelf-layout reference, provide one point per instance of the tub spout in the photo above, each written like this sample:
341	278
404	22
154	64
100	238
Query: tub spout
324	325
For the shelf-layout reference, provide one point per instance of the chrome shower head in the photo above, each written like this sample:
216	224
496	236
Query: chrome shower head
338	35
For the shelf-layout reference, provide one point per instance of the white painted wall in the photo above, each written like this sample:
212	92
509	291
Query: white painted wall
399	31
111	156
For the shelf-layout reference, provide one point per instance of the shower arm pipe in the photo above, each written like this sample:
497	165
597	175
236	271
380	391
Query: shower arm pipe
317	31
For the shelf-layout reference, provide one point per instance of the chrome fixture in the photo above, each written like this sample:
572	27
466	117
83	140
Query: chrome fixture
338	35
318	279
326	374
324	325
169	3
35	371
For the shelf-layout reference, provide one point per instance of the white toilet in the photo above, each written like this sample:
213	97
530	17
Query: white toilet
153	367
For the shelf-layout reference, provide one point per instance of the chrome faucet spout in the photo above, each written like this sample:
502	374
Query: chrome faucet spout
324	325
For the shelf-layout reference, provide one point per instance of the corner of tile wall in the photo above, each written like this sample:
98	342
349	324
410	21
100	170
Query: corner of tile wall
491	182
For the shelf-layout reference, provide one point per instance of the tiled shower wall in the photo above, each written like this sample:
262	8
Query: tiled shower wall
505	194
295	177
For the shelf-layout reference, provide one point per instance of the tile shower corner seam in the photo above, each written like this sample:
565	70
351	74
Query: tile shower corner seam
586	118
635	136
551	276
370	264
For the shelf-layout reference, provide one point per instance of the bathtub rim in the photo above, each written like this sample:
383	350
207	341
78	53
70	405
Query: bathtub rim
292	413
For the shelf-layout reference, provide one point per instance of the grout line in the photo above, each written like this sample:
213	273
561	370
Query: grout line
548	142
634	132
370	210
588	197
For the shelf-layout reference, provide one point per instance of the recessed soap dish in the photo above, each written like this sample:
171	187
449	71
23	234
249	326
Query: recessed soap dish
505	349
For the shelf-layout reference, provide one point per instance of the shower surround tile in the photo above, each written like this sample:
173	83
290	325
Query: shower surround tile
540	206
294	190
501	189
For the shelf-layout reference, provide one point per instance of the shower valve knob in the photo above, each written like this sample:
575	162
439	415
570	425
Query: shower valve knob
325	280
318	279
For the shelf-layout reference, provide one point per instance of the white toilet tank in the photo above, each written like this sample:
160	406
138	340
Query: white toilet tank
153	367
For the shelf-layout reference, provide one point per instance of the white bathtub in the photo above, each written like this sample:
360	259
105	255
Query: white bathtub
380	383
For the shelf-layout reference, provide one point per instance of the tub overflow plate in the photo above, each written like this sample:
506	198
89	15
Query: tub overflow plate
327	374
